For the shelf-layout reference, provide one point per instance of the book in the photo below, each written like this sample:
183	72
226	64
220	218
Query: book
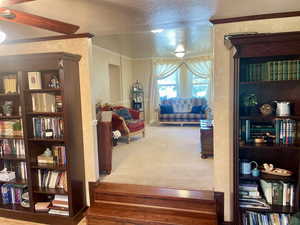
10	84
34	80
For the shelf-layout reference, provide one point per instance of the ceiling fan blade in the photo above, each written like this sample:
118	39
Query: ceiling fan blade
16	16
6	3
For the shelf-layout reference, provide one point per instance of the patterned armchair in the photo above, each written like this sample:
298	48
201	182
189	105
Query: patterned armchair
128	127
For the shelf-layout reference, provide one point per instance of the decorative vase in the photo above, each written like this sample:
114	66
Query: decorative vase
7	108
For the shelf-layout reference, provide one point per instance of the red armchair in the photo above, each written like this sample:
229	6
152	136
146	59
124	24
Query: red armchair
128	128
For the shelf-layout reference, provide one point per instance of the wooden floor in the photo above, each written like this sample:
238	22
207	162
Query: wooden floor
128	204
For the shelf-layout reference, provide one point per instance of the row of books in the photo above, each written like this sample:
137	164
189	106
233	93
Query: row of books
285	131
60	205
52	179
10	84
58	156
253	218
272	71
251	130
11	128
47	127
278	193
12	193
12	147
45	102
19	169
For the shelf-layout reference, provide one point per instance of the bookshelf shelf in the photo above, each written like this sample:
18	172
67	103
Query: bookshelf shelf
266	75
11	137
46	69
45	113
10	117
14	207
50	191
9	95
48	166
267	82
45	90
269	177
268	118
13	157
270	146
273	209
46	140
15	181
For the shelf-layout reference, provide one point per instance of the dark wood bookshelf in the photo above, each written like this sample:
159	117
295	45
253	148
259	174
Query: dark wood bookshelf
49	166
65	67
252	50
13	157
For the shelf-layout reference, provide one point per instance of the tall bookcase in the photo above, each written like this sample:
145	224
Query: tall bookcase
253	75
64	67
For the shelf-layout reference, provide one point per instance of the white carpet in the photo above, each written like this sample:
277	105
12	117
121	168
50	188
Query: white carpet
169	156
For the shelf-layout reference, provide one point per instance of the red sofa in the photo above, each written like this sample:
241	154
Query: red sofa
128	128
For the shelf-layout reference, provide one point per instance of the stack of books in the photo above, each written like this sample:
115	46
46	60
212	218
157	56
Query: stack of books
253	218
12	147
250	196
251	130
59	103
11	128
52	179
43	102
278	193
60	205
42	126
273	70
285	131
10	84
12	193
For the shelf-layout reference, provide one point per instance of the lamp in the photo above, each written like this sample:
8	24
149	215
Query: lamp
2	36
180	51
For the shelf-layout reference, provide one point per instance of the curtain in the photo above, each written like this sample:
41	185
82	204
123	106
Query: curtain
161	70
200	66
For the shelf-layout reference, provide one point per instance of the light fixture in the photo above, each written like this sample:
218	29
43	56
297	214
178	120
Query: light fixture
2	36
180	51
155	31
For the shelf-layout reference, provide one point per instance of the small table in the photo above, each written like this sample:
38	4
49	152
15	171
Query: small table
206	138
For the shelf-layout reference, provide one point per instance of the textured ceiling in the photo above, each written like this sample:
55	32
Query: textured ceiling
130	20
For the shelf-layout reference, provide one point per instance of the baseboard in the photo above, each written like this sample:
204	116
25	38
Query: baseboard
228	223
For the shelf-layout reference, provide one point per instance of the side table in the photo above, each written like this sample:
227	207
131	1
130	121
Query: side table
207	139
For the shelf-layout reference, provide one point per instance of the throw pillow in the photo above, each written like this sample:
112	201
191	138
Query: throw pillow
197	109
166	109
124	113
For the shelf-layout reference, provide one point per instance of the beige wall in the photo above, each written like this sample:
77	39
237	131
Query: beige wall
101	60
142	70
81	47
223	97
115	84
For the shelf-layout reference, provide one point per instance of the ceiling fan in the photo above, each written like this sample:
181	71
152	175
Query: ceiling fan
20	17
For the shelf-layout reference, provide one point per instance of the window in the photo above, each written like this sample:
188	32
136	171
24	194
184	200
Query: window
168	87
199	86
